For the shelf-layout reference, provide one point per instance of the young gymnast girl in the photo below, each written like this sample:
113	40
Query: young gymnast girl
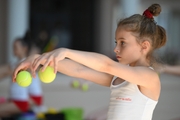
135	85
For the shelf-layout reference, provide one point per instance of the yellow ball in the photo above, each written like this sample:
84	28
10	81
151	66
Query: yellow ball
47	75
24	78
85	87
75	84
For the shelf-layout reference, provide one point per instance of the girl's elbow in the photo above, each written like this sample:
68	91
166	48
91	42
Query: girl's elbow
106	67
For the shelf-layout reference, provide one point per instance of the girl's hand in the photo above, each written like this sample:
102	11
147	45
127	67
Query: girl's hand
24	65
51	58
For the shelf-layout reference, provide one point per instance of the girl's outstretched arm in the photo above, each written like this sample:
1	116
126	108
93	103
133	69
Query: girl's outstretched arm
141	75
70	68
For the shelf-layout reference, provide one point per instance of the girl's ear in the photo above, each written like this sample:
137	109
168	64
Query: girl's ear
145	45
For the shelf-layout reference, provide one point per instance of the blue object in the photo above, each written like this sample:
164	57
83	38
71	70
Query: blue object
27	116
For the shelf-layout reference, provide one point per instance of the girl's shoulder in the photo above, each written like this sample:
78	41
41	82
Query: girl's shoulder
148	72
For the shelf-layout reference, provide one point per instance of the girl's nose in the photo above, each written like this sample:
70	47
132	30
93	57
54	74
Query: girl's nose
116	49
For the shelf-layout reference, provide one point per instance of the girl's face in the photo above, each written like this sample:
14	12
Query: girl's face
128	50
19	50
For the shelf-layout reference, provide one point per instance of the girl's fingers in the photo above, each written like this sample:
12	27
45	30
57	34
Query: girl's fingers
17	70
46	64
55	65
32	72
36	65
14	79
51	63
14	76
35	62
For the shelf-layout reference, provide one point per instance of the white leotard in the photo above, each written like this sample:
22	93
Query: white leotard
128	103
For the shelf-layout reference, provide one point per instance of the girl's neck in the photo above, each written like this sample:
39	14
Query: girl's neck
140	63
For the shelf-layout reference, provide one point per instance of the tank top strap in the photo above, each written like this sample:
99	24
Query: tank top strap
113	79
151	68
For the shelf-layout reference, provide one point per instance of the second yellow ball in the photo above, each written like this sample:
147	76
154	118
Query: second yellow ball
48	75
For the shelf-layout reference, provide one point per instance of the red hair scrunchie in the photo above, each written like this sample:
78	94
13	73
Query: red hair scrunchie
148	14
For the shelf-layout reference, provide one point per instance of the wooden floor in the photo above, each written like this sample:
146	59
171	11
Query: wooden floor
59	94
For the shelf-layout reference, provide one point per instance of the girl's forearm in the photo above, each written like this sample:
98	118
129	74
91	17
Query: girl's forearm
69	67
93	60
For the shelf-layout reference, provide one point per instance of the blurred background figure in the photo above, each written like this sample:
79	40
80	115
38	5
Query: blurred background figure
170	69
21	99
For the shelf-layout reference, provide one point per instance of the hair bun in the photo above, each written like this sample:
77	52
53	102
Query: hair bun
155	9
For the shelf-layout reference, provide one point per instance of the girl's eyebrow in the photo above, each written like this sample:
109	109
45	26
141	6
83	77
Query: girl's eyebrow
120	38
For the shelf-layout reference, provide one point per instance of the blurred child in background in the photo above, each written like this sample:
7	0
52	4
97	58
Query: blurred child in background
19	96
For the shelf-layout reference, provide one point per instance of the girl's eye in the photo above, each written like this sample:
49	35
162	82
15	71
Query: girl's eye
122	42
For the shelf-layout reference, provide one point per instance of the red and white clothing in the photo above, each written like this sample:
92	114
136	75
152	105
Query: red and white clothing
21	95
128	103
